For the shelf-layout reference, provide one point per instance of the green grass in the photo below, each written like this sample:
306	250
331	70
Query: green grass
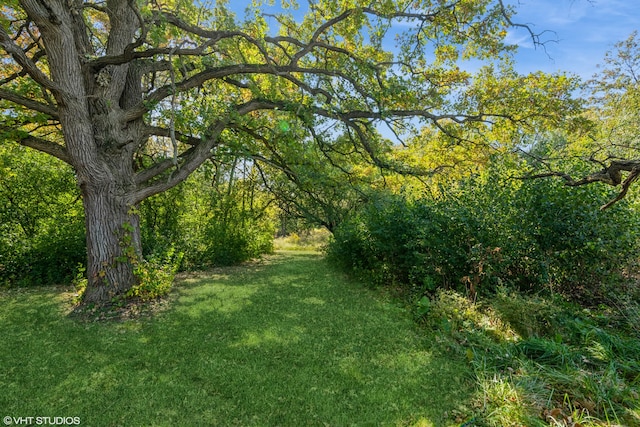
542	361
285	342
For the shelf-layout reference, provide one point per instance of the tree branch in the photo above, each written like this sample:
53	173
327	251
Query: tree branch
611	175
196	81
40	144
321	29
163	132
24	61
29	103
535	37
148	174
193	157
633	176
128	56
35	58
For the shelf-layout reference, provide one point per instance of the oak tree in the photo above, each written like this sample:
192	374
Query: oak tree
135	95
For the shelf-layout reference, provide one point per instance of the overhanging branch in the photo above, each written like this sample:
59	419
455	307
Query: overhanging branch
43	145
29	103
611	175
166	133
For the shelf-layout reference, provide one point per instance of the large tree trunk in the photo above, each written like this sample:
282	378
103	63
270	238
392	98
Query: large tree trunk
112	223
106	178
113	244
100	143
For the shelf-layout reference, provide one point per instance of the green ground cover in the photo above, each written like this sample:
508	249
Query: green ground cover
286	341
290	341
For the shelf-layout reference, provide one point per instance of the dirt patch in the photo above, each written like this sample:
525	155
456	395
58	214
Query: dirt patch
119	311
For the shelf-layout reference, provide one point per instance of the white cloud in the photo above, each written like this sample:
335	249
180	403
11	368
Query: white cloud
519	38
584	30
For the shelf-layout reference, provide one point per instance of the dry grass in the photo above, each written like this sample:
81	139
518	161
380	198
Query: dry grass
315	240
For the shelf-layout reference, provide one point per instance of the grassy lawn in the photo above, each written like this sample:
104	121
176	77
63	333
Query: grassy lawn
287	342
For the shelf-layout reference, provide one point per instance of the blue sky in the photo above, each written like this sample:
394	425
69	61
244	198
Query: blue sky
579	32
584	30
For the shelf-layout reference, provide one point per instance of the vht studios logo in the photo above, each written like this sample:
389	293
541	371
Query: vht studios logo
41	421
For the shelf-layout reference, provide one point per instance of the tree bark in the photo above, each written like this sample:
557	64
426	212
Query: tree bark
105	175
113	244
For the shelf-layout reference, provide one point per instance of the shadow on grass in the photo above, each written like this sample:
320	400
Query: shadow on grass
288	342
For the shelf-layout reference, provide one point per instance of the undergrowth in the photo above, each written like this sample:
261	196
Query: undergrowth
540	361
155	277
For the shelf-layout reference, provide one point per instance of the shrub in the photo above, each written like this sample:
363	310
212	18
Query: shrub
577	246
41	223
231	242
155	276
530	235
49	257
209	226
393	240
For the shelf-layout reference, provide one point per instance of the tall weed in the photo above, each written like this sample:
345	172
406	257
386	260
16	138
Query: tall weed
570	369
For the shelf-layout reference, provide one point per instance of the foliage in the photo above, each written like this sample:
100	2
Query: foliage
221	216
606	150
490	232
237	237
155	276
318	184
42	237
615	99
47	258
136	97
394	240
314	239
41	222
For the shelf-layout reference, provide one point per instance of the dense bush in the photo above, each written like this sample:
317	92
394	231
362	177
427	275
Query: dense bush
49	257
210	224
155	276
41	223
395	240
234	236
487	233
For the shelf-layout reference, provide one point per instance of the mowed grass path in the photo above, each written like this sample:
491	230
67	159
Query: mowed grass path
284	342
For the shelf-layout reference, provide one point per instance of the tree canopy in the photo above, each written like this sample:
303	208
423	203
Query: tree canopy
136	95
608	150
